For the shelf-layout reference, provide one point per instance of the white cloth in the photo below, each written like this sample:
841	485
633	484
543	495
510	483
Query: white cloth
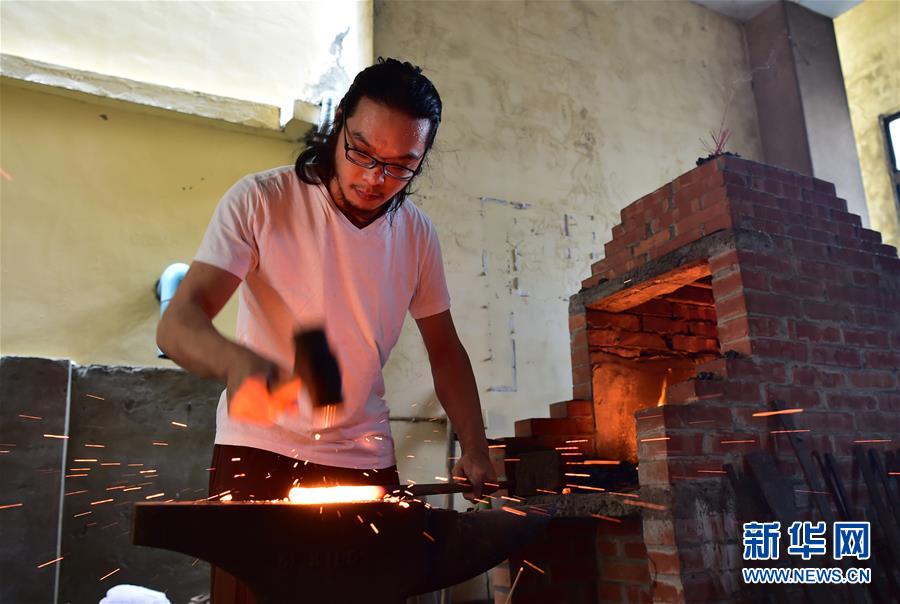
134	594
302	264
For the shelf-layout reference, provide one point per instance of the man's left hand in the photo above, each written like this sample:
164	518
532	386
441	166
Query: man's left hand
476	468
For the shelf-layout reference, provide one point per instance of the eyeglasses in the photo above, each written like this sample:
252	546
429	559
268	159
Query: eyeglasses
365	160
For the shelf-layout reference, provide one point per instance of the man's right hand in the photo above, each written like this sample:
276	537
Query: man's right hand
187	335
246	363
254	392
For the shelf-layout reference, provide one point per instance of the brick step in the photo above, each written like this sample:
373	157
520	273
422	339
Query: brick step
745	369
730	390
692	390
573	408
553	426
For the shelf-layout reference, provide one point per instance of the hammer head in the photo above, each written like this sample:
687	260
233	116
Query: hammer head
317	367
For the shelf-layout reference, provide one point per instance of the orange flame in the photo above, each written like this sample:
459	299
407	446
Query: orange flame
662	394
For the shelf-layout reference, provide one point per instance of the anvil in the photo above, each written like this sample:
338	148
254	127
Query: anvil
376	551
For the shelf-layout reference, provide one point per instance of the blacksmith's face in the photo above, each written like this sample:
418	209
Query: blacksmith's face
391	140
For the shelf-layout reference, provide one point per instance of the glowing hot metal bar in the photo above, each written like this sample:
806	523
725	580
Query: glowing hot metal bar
322	495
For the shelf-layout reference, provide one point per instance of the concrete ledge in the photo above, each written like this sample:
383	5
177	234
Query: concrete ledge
196	107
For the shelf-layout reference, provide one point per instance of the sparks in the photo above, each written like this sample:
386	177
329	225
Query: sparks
374	528
95	446
179	424
513	588
154	496
49	562
85	460
160	444
533	566
109	574
576	475
82	514
650	416
101	501
55	436
513	511
737	442
781	412
99	398
654	440
624	494
885	440
496	446
11	505
29	416
75	493
607	518
427	536
787	431
644	504
580	486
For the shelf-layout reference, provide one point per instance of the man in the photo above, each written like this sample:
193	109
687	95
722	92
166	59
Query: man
330	241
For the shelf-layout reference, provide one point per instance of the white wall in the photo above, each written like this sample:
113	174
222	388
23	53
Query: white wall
268	52
556	116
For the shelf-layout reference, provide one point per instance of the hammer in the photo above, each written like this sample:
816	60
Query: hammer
317	368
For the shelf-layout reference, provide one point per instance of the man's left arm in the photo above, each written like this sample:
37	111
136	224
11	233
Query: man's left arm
454	383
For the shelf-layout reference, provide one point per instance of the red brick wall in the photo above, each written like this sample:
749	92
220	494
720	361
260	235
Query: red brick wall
806	306
581	560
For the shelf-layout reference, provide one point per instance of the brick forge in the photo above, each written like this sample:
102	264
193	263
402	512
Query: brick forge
803	302
734	285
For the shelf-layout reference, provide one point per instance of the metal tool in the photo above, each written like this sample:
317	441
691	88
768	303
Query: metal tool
317	368
442	488
337	553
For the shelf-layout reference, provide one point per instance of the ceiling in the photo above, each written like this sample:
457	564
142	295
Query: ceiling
742	10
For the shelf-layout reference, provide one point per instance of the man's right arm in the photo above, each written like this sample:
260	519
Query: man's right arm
187	336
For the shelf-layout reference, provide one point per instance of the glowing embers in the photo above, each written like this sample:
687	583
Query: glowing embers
320	495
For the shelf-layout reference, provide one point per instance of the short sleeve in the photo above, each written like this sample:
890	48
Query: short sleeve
230	241
431	296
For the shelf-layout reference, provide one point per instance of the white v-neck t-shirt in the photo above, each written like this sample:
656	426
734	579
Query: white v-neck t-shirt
302	263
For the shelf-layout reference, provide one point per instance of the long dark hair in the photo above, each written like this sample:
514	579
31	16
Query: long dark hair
395	84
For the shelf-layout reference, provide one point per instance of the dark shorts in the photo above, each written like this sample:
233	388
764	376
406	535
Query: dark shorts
249	473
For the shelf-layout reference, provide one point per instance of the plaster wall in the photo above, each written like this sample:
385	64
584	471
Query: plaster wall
831	147
556	116
98	202
870	59
268	52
